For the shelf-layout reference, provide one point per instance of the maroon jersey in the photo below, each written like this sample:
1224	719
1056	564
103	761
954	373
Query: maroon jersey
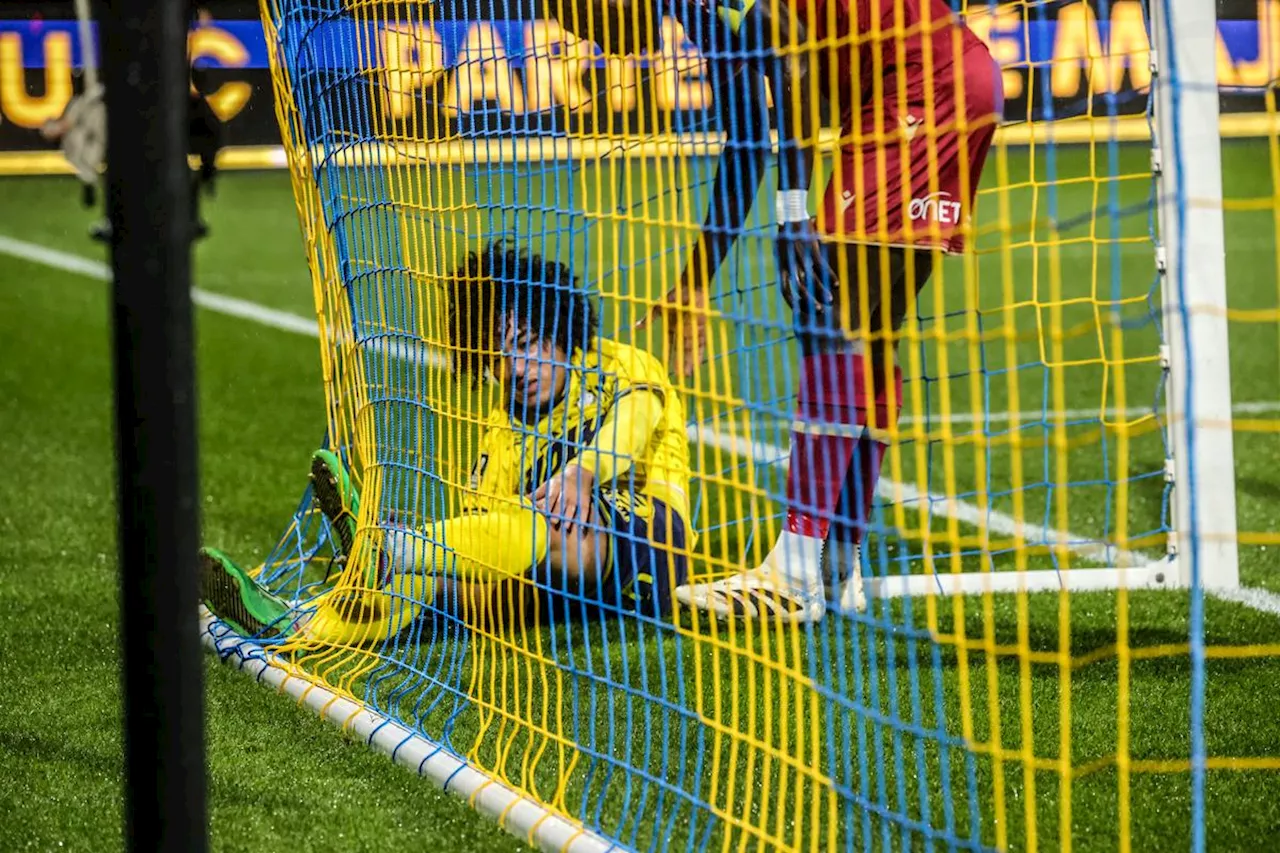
854	43
919	98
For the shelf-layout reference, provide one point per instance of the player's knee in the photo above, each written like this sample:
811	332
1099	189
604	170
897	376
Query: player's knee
577	555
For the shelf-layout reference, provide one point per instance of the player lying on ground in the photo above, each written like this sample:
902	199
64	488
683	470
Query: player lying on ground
918	96
578	494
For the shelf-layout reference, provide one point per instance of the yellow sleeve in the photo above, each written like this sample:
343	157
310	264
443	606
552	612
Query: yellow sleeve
639	393
488	469
624	434
631	368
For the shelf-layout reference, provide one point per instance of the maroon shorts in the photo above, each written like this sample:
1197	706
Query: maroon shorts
910	162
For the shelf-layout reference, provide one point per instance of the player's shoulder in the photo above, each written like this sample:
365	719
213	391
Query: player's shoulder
631	365
497	419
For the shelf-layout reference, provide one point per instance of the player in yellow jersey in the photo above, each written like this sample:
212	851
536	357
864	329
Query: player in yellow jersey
577	498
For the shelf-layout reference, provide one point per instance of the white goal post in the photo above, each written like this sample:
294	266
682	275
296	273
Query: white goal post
1187	158
1190	258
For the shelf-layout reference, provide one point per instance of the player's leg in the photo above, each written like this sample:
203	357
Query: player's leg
629	560
336	496
838	396
921	197
627	557
943	175
342	615
944	172
238	599
475	548
494	568
879	410
467	565
567	570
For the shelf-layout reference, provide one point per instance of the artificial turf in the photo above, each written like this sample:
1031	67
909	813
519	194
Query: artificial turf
279	777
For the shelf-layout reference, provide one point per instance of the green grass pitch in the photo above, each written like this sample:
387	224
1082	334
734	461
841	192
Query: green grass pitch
281	779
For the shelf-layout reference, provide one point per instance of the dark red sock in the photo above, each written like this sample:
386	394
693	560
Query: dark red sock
853	510
832	406
858	494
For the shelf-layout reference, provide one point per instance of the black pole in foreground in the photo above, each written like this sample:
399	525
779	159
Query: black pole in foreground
146	77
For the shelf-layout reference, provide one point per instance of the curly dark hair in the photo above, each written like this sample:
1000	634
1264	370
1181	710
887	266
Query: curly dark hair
501	280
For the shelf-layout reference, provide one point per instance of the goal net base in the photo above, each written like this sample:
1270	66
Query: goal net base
517	814
1162	574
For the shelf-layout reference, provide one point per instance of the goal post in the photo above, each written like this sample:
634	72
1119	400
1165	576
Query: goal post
1187	159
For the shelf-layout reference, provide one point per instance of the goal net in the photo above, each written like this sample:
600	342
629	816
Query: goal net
984	699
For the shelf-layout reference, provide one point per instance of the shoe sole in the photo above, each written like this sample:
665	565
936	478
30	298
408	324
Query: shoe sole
222	593
328	491
736	611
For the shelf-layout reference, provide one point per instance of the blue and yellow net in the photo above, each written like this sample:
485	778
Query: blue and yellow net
1032	439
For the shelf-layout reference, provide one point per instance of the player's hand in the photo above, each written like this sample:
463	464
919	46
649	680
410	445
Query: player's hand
567	498
803	270
684	309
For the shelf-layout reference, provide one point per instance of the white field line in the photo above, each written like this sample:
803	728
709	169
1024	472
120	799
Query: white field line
1253	597
764	453
942	505
287	322
216	302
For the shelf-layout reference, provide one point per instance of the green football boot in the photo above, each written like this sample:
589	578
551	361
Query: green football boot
336	497
248	607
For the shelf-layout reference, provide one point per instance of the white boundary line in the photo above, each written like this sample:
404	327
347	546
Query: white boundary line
287	322
1252	597
216	302
1034	416
762	452
515	813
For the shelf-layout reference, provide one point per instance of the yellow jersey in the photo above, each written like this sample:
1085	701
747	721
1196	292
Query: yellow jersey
515	458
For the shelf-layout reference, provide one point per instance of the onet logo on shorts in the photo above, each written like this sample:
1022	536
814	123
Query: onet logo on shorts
935	207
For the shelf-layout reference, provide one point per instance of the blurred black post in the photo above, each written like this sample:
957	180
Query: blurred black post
145	73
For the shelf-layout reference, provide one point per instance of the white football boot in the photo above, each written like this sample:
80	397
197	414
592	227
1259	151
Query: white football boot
786	587
789	586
